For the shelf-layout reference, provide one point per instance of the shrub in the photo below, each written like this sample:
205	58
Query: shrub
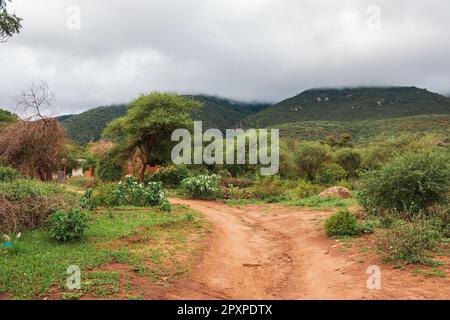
342	223
22	188
407	185
237	182
87	200
8	174
330	173
306	189
236	193
131	192
108	169
309	158
346	184
268	188
202	187
170	176
349	159
408	241
68	225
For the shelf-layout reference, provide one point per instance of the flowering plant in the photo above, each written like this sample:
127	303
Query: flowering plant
202	187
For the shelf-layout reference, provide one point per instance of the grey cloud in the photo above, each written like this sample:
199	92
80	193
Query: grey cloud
242	49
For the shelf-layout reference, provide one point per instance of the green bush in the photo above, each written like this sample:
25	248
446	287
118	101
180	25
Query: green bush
65	226
330	174
269	188
8	174
132	193
408	241
202	187
108	169
408	185
306	189
342	223
309	158
170	176
22	188
349	159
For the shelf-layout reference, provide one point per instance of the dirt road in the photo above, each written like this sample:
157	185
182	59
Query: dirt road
283	253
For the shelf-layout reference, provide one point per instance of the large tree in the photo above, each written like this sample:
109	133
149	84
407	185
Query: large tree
9	23
145	132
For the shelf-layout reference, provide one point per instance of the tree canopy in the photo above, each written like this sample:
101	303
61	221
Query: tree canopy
9	23
144	133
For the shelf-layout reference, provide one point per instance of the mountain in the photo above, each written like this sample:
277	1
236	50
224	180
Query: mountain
351	104
217	113
364	131
221	113
89	125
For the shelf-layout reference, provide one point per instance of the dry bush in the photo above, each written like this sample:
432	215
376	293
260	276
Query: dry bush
35	148
28	213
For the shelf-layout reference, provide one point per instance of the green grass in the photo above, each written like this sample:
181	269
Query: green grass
431	273
318	202
38	264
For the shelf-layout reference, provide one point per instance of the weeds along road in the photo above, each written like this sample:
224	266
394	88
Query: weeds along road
278	252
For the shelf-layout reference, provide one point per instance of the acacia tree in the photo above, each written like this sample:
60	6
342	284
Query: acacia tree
9	23
145	132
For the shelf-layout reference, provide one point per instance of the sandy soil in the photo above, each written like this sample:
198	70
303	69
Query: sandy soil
275	252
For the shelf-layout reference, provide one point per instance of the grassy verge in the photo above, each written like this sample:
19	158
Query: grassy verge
158	245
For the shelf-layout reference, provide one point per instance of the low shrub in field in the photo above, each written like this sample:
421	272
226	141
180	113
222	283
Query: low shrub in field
130	192
306	189
8	174
26	204
408	241
269	188
202	187
342	223
65	226
330	173
407	185
170	176
349	159
235	193
237	182
22	188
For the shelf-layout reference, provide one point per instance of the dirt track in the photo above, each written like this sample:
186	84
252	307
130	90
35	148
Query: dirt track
282	253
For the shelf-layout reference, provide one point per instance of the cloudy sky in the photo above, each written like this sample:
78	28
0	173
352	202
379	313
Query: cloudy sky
263	50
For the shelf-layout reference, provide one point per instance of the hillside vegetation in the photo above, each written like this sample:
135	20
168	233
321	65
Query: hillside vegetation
351	104
364	131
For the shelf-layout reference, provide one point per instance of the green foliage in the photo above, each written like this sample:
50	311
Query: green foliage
306	189
133	193
202	187
330	174
10	24
269	188
408	241
309	158
21	188
408	185
170	176
349	159
147	128
65	226
87	200
108	168
6	117
341	224
8	174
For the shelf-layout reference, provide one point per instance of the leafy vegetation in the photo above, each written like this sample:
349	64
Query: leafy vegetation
66	226
202	187
407	185
342	223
